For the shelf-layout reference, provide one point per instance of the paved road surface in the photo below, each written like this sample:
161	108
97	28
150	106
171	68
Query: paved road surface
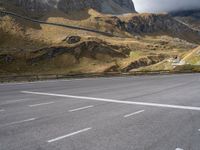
121	113
54	24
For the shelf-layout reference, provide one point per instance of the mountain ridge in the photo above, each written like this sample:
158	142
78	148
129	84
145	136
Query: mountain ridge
40	46
74	5
189	17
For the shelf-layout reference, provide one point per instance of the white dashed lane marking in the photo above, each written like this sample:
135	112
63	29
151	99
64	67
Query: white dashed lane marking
81	108
15	101
179	149
41	104
19	122
68	135
135	113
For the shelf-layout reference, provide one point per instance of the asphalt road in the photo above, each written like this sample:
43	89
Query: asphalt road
121	113
54	24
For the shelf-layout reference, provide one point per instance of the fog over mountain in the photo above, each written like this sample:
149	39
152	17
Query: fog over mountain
165	5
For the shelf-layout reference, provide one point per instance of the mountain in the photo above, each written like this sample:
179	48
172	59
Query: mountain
189	17
36	38
187	13
106	6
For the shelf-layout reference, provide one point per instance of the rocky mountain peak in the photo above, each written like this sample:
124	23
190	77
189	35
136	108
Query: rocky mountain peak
106	6
128	4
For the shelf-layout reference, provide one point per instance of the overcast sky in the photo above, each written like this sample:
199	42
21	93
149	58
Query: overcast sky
164	5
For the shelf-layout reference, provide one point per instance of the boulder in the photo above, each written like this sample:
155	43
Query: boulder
5	58
72	39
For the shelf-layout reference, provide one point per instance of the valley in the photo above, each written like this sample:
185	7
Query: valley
91	40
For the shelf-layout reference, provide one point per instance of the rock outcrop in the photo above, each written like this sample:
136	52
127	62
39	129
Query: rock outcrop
188	17
72	39
127	4
138	24
90	49
114	6
33	5
145	61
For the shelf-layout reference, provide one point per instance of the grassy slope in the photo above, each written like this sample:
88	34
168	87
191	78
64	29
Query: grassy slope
21	39
193	57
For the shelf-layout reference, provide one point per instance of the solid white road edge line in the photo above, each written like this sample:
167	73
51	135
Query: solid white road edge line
18	122
81	108
135	113
41	104
116	101
68	135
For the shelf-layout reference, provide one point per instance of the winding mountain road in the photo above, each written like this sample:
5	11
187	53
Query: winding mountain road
189	26
54	24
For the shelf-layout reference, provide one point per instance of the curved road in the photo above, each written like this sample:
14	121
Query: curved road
187	25
54	24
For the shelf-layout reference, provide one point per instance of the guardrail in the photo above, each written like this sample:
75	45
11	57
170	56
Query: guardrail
37	77
54	24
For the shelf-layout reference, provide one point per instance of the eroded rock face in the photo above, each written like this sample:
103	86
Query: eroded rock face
73	5
138	24
72	39
189	17
161	23
6	58
127	4
89	49
33	5
146	61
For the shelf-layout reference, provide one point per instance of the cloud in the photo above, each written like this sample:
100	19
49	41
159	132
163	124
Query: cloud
165	5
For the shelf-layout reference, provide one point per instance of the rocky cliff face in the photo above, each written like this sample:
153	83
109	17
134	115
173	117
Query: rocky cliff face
187	13
32	5
114	6
141	24
127	4
73	5
189	17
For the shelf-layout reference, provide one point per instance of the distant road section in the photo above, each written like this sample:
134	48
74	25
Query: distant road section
187	25
54	24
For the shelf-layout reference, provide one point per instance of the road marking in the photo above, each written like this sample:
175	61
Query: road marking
179	149
1	110
117	101
135	113
41	104
82	108
15	101
199	130
18	122
68	135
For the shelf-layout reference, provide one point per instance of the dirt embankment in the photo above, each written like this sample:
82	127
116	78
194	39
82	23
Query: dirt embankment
90	49
145	61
